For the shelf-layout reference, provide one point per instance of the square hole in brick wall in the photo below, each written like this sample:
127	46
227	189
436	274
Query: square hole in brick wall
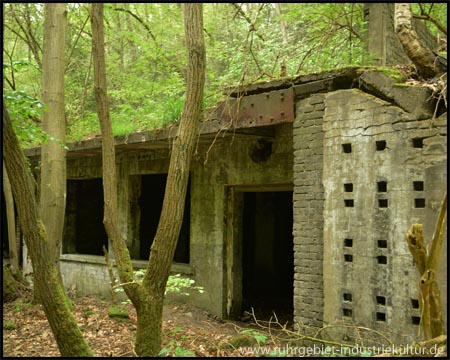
382	186
382	244
348	242
415	320
381	316
347	148
382	203
348	258
348	187
419	203
380	145
347	312
381	300
349	203
382	259
347	297
417	142
415	303
418	185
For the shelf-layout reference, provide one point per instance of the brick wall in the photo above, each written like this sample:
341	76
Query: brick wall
308	212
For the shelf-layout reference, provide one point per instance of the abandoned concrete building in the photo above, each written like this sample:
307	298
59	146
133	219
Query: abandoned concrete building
301	192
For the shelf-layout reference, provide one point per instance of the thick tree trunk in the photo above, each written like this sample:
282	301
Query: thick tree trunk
422	57
53	154
46	278
10	218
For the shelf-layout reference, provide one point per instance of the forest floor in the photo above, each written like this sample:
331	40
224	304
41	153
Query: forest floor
187	331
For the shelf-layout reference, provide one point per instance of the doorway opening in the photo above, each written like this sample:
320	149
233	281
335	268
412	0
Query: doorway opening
267	254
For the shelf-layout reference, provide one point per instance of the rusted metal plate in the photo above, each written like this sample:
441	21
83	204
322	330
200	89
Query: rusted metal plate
270	108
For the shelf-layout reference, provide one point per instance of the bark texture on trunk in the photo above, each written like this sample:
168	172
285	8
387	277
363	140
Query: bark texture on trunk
53	155
422	57
11	220
46	277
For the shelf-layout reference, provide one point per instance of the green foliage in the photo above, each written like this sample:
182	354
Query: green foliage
22	305
176	351
9	325
118	313
260	338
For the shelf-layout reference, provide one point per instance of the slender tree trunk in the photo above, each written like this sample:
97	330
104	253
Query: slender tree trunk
46	279
10	218
53	154
422	57
110	219
148	336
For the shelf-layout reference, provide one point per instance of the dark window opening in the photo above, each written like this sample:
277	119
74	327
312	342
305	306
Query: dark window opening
417	142
347	297
347	312
382	186
348	258
380	145
84	232
382	203
415	320
381	316
348	242
381	300
418	185
415	303
267	257
382	244
382	259
349	203
347	148
150	202
348	187
419	203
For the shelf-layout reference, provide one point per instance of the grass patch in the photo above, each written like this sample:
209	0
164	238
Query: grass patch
9	325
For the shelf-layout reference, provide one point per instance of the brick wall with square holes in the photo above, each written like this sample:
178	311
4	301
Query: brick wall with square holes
382	171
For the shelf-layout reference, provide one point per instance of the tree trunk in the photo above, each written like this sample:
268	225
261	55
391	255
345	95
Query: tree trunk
46	279
53	154
422	57
10	218
148	336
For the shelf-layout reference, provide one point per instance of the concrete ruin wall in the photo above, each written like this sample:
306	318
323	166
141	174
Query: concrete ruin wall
363	174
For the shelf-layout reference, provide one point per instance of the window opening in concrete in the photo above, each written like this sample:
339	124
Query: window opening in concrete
382	244
150	202
84	232
382	259
381	316
415	320
267	256
348	257
348	242
419	203
349	203
381	300
415	303
380	145
382	186
417	143
347	312
347	148
348	187
348	297
382	203
418	185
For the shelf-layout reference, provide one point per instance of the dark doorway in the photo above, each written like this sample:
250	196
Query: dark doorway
267	260
84	232
150	202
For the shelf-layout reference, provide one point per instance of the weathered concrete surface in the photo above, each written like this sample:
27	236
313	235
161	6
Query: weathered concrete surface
416	100
380	277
